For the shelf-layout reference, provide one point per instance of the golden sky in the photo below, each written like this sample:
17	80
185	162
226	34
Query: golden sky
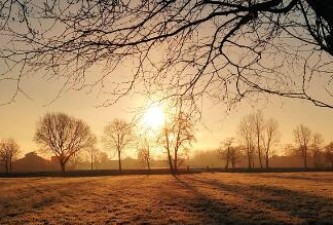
18	119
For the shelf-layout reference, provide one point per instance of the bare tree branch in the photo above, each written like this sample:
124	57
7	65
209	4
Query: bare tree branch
189	48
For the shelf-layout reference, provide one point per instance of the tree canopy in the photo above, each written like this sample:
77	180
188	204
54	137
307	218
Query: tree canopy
187	48
64	136
118	135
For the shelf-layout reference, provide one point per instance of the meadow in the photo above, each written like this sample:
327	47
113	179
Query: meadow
205	198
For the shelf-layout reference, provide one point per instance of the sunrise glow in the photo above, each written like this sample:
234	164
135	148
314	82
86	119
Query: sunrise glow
154	117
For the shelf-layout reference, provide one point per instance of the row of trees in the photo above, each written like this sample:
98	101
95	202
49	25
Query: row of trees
174	137
258	138
311	144
66	137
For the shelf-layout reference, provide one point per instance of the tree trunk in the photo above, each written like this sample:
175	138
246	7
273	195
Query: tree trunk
10	165
226	165
260	159
267	161
6	166
227	162
252	158
305	161
259	153
168	151
91	162
233	164
148	165
170	161
175	166
63	166
119	160
249	160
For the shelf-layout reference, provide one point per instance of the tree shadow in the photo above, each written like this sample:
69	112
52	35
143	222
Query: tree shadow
209	210
302	207
298	177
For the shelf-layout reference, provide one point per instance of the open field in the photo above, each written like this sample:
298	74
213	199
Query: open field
207	198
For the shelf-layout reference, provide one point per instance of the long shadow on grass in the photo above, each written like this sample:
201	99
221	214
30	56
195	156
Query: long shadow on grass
209	210
310	208
293	177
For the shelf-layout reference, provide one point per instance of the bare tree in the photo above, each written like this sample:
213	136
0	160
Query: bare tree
247	135
8	151
184	136
227	150
258	136
302	137
144	151
258	122
177	136
100	159
96	158
225	48
234	156
316	149
64	136
329	153
93	155
183	130
270	136
117	135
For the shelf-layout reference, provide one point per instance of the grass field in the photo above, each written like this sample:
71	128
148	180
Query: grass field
207	198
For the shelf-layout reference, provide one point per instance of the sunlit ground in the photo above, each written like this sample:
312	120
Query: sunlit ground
219	198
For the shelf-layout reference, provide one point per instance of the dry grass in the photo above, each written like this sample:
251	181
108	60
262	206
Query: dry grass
220	198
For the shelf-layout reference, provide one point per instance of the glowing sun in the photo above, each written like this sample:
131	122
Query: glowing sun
154	117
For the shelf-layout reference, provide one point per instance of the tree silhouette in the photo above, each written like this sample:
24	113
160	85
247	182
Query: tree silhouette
228	152
302	137
231	49
329	153
270	137
94	154
177	137
8	151
145	151
258	123
64	136
258	135
247	135
117	135
316	149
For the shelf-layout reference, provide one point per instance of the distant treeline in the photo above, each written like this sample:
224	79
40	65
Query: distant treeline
34	165
116	172
255	145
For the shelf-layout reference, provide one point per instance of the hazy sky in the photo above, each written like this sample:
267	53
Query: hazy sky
18	119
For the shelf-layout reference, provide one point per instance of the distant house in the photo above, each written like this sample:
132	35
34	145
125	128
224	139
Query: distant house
33	162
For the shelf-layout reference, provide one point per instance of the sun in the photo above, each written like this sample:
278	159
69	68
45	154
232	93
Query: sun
154	117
